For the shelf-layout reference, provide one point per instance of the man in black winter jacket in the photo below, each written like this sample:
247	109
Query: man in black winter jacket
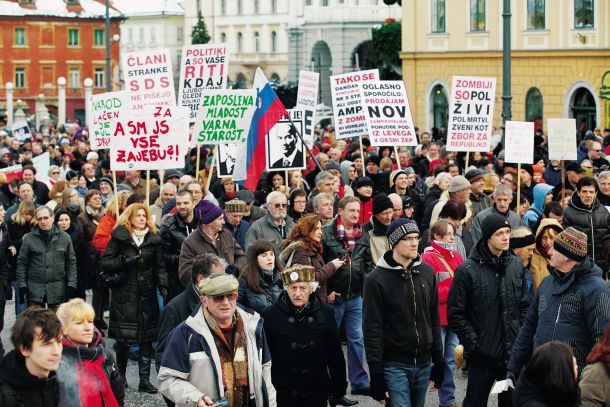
27	373
487	303
402	332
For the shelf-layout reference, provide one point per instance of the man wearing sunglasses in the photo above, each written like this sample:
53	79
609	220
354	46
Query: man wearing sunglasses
275	226
219	354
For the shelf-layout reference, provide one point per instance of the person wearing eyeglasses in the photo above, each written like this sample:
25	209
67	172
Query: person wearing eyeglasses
597	158
219	355
54	174
275	226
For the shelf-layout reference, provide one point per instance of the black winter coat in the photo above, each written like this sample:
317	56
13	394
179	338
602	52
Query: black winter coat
476	284
593	221
134	310
15	239
5	282
89	261
173	232
308	363
18	388
258	301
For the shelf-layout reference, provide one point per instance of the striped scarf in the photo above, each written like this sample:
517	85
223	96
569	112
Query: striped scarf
350	240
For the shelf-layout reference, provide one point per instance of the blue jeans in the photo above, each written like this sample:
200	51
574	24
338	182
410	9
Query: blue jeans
407	385
351	310
446	394
19	306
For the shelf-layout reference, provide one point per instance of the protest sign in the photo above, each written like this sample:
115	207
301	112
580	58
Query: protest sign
387	113
203	67
562	139
519	142
285	151
106	108
307	100
156	140
471	113
12	172
148	79
21	131
347	105
224	116
227	157
42	163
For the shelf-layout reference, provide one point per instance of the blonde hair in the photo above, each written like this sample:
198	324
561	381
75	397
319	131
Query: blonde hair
130	213
75	310
25	208
386	163
122	198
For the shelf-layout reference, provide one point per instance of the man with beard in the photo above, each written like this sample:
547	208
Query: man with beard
210	237
275	226
173	232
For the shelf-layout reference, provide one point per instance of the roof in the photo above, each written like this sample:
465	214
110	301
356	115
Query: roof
57	8
134	8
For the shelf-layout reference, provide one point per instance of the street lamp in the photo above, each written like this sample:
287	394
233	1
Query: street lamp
506	72
108	83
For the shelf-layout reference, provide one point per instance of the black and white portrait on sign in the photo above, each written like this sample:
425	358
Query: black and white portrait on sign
227	156
285	150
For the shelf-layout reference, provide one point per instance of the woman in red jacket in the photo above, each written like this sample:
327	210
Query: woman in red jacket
443	257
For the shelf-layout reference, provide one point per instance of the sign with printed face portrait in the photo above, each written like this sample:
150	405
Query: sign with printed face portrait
285	150
227	156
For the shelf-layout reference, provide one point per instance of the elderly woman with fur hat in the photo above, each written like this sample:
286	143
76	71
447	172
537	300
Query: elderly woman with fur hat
308	364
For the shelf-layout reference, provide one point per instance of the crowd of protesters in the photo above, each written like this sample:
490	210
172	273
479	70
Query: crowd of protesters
417	257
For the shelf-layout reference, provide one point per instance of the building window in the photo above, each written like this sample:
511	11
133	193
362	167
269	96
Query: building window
223	7
273	41
20	40
239	4
46	37
477	15
583	14
73	37
239	42
324	3
440	107
257	42
256	6
130	34
438	16
47	76
152	34
98	38
223	37
98	77
20	77
180	34
308	2
273	6
535	15
74	78
534	107
141	39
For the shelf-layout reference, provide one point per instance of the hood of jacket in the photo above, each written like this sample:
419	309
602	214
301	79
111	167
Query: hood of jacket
540	192
544	225
577	204
388	262
481	254
287	252
563	281
15	374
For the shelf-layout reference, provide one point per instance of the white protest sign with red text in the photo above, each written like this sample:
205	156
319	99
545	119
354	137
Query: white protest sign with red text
519	142
307	100
203	67
387	113
471	113
562	139
156	140
347	104
148	79
106	109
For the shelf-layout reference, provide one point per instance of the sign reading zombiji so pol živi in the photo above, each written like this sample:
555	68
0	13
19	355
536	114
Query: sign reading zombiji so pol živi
224	116
155	140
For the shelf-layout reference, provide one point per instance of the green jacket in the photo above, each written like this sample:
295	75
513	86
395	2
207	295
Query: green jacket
47	267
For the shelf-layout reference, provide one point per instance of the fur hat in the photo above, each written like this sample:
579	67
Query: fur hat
235	205
298	274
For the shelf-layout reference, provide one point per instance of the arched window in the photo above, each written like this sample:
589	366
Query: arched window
273	41
257	42
534	107
440	107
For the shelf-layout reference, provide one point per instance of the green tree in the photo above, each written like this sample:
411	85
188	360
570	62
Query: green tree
387	44
200	35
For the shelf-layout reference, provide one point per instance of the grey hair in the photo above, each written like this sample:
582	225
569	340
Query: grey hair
168	185
273	195
202	265
440	177
603	174
324	175
502	190
521	231
322	196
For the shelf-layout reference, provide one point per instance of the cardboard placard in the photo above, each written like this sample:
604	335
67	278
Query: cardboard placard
156	140
285	151
562	139
519	142
106	109
21	131
348	111
203	66
148	79
307	100
471	113
227	157
387	113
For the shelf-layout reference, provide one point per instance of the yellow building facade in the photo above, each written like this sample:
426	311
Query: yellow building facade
560	54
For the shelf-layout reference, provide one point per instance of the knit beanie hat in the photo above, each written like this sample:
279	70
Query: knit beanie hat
363	182
571	243
528	168
491	224
108	181
521	242
458	183
381	202
395	175
207	212
399	228
71	174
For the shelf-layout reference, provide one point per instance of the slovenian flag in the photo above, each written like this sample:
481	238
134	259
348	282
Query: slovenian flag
251	159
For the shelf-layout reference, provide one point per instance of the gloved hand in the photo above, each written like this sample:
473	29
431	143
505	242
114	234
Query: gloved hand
9	291
71	292
163	291
232	269
379	388
437	375
129	260
22	293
